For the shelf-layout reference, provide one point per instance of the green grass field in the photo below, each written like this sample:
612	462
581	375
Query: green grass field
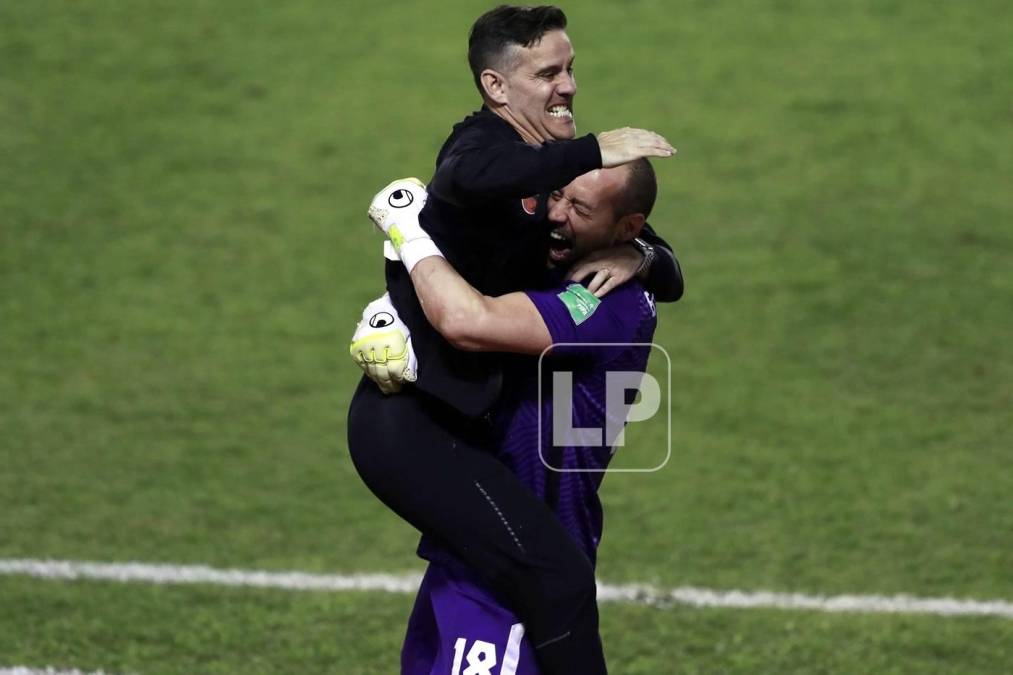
184	253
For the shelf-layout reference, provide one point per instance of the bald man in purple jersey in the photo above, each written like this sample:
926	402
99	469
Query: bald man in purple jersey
458	624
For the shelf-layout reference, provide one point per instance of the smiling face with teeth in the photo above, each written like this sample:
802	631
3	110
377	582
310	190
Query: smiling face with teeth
535	91
584	219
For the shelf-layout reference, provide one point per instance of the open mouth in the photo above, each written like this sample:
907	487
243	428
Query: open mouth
560	246
561	112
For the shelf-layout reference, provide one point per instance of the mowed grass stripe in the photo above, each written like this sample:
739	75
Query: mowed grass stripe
645	594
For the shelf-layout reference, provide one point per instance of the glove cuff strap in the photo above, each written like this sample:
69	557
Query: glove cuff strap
417	249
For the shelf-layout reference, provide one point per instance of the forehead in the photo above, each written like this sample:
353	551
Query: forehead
553	49
596	188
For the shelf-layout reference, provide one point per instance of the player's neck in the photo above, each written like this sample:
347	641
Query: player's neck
526	132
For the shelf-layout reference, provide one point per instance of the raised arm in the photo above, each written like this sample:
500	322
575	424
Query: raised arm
475	170
474	322
466	318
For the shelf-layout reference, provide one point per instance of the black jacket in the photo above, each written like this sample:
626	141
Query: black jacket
486	210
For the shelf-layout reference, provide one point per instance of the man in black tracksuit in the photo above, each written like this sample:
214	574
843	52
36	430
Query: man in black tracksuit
426	451
496	239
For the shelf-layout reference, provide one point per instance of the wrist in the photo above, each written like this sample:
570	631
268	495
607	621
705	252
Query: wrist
648	253
416	250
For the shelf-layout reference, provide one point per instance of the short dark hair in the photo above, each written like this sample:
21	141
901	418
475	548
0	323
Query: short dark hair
497	30
640	191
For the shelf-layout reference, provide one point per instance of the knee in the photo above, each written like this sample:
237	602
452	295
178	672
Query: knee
574	587
559	590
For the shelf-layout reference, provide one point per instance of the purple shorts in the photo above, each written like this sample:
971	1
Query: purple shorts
458	628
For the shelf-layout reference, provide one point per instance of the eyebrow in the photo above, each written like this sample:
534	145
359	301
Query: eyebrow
553	69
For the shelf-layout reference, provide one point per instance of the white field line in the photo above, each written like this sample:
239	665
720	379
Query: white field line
24	670
200	574
643	594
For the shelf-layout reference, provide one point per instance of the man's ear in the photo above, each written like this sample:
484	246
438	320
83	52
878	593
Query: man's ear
630	226
494	85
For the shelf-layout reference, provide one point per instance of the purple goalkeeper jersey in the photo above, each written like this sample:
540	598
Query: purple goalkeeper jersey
604	335
457	624
609	334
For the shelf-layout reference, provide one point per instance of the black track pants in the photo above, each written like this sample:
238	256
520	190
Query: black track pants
435	469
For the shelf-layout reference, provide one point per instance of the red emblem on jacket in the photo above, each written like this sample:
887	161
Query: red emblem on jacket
530	204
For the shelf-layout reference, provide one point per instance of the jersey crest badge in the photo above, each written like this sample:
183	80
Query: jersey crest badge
580	302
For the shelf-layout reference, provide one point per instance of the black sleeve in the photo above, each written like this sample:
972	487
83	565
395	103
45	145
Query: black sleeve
664	279
473	172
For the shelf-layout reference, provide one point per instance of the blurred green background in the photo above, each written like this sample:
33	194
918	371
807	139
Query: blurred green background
184	253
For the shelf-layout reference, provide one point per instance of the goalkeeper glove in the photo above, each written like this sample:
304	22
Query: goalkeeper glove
382	346
395	211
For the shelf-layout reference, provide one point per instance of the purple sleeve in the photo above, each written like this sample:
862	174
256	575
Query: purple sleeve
572	316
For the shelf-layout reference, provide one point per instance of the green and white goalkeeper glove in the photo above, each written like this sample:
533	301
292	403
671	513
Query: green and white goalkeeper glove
395	211
382	346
